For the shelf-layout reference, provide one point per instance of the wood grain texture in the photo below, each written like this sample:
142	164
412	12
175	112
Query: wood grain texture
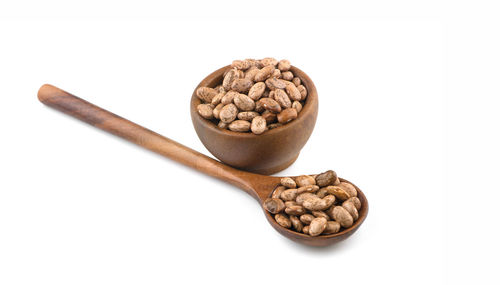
267	153
258	186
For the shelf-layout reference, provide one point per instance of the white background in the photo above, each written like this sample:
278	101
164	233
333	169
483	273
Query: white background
408	111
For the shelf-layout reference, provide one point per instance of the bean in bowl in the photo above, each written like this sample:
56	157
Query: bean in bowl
255	96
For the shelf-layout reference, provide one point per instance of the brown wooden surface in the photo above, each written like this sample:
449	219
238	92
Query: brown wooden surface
259	186
268	153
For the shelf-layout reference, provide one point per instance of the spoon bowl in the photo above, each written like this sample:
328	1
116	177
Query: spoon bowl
323	240
258	186
261	187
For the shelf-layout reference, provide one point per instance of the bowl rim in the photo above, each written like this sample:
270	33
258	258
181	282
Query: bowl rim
309	106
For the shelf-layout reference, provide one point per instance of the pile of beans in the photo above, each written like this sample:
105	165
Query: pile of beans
314	205
255	95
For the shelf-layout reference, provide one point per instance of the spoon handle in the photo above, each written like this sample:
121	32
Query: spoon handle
109	122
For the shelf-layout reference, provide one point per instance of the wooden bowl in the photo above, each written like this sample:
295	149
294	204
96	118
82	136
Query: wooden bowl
268	153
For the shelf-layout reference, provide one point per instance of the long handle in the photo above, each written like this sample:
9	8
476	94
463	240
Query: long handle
109	122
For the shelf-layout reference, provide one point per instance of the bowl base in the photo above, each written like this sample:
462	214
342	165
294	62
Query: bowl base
272	170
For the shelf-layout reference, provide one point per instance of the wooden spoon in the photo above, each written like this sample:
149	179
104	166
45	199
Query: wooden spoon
259	186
